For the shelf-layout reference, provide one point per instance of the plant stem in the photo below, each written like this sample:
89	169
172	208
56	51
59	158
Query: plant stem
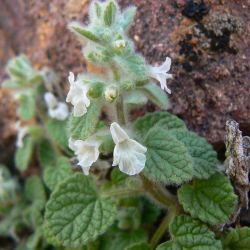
120	111
162	228
123	192
167	200
160	194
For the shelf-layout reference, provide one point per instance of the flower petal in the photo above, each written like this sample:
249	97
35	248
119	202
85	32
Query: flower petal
118	134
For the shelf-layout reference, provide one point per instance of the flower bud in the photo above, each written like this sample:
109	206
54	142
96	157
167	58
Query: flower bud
111	93
120	44
95	90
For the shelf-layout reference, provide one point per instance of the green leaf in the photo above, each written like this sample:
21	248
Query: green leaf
80	30
164	120
46	154
133	65
189	234
128	16
58	131
98	9
55	174
212	200
204	157
82	127
35	192
135	98
156	95
237	239
23	154
27	106
76	213
120	240
168	160
139	246
11	84
109	13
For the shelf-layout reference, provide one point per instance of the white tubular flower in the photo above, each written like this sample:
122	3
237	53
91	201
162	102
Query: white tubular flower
78	96
21	133
128	153
56	110
161	75
87	152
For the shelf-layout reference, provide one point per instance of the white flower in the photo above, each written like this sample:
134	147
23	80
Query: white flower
21	133
57	110
87	152
128	153
161	75
78	96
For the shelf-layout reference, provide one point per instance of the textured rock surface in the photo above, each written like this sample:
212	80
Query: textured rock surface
208	42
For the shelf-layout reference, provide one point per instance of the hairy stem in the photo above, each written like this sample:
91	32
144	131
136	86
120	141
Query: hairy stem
120	111
162	228
169	201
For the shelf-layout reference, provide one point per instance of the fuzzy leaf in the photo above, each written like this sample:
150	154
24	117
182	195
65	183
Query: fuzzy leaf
164	120
58	131
82	31
23	155
76	213
204	157
189	234
109	13
132	64
168	160
212	200
46	154
82	127
156	95
128	17
237	239
55	174
135	98
27	106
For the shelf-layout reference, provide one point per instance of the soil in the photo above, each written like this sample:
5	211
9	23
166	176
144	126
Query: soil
208	41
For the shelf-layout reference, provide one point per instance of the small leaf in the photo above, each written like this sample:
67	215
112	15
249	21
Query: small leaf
27	106
55	174
98	9
109	13
76	213
237	239
187	233
136	98
23	154
46	154
58	131
156	95
168	160
132	64
164	120
82	127
204	157
80	30
212	200
128	16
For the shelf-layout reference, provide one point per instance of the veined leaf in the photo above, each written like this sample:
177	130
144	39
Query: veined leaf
109	13
82	127
189	234
212	200
76	213
27	106
168	160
